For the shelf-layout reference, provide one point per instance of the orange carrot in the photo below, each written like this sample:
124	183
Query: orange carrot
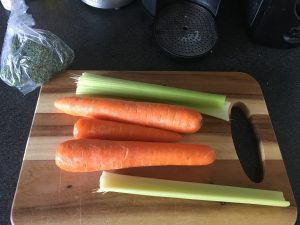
169	117
111	130
88	155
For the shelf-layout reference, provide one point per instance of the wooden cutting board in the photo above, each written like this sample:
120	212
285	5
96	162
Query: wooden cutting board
46	195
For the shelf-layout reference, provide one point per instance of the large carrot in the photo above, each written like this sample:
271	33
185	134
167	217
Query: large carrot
88	155
111	130
169	117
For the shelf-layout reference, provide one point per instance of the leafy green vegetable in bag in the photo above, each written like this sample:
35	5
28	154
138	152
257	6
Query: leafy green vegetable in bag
37	59
30	56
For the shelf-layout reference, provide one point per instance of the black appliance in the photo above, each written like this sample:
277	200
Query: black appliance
274	23
185	29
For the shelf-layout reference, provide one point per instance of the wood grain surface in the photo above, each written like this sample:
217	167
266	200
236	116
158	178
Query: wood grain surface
47	195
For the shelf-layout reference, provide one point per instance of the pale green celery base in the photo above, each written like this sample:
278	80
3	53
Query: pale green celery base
220	113
110	182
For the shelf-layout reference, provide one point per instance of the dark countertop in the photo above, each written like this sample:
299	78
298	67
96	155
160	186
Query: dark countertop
123	40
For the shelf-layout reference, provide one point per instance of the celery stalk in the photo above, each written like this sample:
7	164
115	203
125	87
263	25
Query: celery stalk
221	113
110	182
90	84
